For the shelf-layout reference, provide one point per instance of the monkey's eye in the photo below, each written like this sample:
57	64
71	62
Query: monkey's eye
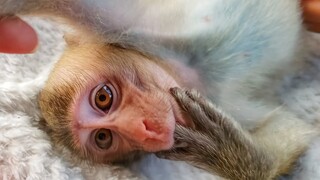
103	138
103	98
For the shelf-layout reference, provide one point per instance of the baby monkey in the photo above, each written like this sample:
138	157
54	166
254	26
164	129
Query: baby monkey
108	100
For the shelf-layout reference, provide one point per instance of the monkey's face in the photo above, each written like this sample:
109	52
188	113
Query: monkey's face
105	103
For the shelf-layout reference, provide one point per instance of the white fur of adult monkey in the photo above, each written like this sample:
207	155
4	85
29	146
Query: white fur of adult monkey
237	48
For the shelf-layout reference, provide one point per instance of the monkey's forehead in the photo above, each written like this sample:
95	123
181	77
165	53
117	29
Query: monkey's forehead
80	67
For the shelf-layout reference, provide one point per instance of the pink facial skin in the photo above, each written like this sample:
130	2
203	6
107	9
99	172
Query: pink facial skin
140	118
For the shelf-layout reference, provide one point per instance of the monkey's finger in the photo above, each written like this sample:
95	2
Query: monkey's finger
16	36
207	118
188	138
183	137
188	143
193	110
212	111
171	155
205	115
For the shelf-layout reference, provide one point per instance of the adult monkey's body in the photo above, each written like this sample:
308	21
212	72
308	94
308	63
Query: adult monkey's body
232	51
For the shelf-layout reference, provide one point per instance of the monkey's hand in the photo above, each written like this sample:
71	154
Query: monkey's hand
216	143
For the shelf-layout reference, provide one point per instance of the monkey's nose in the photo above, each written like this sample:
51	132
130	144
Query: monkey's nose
152	126
138	130
149	134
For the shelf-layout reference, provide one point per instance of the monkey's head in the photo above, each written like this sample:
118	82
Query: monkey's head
106	103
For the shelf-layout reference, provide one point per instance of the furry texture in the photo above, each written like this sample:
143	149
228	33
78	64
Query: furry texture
26	152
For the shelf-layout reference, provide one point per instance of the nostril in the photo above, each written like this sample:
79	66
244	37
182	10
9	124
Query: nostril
151	126
146	125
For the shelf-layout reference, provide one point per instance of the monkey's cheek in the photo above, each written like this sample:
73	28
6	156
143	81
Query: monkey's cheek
156	146
165	142
168	140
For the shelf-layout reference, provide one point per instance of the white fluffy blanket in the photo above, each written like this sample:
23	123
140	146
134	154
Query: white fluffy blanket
26	152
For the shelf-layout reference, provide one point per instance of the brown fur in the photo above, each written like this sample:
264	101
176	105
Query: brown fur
217	143
67	79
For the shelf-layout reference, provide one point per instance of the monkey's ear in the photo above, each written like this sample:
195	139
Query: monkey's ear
74	38
71	39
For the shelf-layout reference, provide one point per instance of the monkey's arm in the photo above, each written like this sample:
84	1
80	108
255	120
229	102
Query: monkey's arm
136	24
217	144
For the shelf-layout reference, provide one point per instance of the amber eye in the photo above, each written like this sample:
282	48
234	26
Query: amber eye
103	98
103	138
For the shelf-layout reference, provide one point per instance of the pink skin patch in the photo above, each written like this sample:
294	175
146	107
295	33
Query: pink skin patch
140	119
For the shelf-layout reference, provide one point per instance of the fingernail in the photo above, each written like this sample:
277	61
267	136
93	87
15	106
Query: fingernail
175	90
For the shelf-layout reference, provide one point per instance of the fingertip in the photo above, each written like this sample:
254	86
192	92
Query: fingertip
16	36
311	10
